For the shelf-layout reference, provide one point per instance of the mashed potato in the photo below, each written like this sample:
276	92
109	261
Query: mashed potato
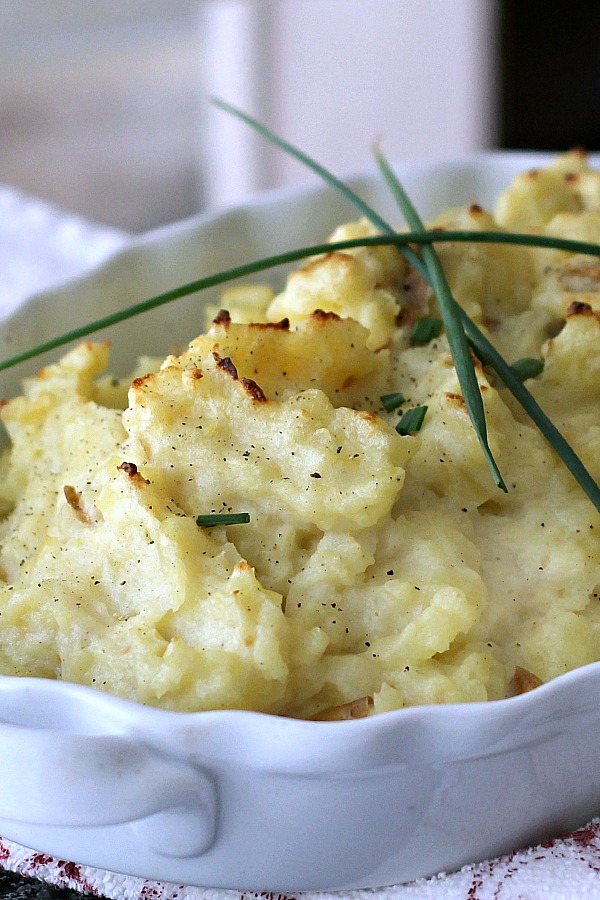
378	570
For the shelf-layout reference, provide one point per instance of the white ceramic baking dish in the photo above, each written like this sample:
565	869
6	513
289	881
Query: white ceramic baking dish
244	800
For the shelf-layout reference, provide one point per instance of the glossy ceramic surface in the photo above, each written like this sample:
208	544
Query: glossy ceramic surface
244	800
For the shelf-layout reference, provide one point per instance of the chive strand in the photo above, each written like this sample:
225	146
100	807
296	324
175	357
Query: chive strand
450	310
212	520
489	356
177	293
269	262
328	177
429	267
484	349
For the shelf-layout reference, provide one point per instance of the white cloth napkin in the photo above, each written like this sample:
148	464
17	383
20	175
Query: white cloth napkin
564	869
41	246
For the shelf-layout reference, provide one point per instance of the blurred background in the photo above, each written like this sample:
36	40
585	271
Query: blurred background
104	103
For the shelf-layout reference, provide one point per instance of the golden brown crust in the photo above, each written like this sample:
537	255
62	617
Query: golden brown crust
131	470
453	399
226	365
73	498
283	325
253	390
523	681
222	318
319	316
335	255
355	709
577	308
141	381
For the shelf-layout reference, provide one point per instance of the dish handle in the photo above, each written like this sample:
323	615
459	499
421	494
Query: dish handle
74	780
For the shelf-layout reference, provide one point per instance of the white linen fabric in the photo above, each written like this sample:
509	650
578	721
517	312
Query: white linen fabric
41	246
567	868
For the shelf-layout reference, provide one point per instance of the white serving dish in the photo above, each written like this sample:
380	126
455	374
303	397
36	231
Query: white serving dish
249	801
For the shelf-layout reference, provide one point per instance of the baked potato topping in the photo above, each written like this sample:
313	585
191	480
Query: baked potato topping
378	569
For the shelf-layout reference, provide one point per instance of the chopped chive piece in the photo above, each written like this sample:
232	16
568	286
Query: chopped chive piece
412	420
426	329
390	402
528	368
210	521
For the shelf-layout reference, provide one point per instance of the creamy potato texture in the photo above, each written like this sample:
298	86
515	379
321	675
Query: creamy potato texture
378	570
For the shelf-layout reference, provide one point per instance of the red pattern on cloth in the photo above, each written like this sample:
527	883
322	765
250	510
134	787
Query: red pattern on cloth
566	868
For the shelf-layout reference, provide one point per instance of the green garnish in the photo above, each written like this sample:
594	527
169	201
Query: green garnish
412	420
429	266
451	314
418	236
328	177
390	402
528	368
460	338
489	356
209	521
426	329
485	351
269	262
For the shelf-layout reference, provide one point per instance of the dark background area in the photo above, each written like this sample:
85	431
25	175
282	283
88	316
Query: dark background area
549	78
